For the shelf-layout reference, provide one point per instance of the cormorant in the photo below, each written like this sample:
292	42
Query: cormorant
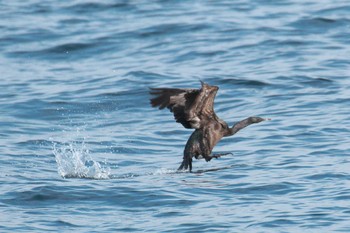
193	108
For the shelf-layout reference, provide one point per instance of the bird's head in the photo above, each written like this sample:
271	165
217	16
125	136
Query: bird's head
258	119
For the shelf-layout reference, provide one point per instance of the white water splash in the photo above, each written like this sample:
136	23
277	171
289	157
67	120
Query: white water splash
74	161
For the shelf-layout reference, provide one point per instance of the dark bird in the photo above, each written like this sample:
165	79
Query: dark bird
194	109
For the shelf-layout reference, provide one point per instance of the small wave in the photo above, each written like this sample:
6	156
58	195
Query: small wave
167	29
244	82
89	7
318	24
74	161
162	171
55	52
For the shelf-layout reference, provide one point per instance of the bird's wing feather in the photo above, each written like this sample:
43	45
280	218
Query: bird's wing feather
178	101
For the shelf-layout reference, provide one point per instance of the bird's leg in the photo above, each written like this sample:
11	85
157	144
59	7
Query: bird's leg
205	149
220	154
207	157
216	156
186	163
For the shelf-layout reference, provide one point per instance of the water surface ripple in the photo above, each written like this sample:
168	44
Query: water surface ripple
82	150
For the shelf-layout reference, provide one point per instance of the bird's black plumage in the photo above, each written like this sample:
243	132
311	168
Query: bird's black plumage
194	108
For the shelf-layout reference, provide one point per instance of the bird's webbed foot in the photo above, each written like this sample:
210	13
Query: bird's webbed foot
220	155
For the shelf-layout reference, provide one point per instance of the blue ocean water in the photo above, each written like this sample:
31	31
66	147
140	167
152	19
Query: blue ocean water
81	149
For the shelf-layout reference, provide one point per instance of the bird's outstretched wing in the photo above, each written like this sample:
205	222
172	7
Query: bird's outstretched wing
178	101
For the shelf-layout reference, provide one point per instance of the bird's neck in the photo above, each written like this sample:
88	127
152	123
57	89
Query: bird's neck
240	125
